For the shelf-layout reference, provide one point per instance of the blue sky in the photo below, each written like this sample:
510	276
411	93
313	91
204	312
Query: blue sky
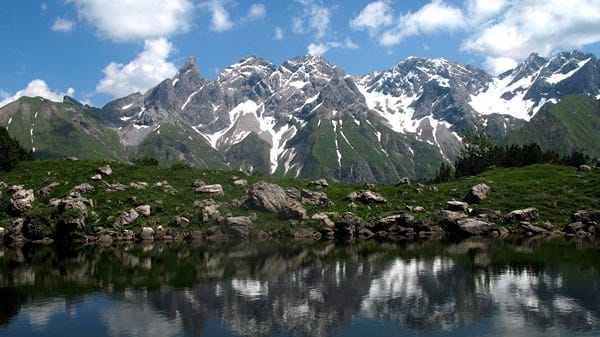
97	50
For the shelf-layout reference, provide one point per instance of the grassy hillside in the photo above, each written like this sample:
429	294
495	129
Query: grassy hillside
571	125
555	190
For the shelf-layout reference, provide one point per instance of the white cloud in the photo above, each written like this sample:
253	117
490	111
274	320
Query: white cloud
433	17
149	68
319	49
278	34
479	11
543	26
62	25
257	12
497	65
373	17
136	19
43	6
220	20
315	19
35	88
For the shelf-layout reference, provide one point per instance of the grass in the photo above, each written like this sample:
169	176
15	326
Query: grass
557	191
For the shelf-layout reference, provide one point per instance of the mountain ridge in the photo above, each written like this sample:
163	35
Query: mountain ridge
308	118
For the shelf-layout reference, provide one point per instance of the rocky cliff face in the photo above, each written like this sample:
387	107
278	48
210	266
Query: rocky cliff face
309	118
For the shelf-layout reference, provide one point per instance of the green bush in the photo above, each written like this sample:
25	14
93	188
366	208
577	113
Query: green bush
146	161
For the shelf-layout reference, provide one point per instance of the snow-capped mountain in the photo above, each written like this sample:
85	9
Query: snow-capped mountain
309	118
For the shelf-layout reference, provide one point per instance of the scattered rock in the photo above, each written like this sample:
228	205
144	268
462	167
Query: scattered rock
241	183
215	189
293	193
267	197
531	229
369	186
147	234
96	177
315	198
324	218
3	185
477	193
487	214
587	217
143	210
365	234
128	235
104	239
584	168
15	234
403	181
71	158
457	206
209	211
15	188
165	187
181	221
83	188
448	218
238	226
116	187
104	170
474	227
304	232
346	225
370	197
125	218
198	183
418	209
21	200
352	196
73	201
46	190
528	214
139	185
293	210
319	183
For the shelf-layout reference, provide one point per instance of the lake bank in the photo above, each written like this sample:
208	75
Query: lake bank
104	202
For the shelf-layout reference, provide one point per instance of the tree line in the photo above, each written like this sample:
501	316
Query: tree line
11	151
480	153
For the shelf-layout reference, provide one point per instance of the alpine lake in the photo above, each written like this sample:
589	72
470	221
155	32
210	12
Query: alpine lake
478	287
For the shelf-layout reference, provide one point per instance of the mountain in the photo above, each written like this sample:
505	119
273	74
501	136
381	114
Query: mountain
308	118
573	124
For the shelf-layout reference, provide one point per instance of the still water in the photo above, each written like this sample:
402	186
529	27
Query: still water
471	288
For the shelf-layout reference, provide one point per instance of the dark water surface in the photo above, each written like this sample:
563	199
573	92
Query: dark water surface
472	288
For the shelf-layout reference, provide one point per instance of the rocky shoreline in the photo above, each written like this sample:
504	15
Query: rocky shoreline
463	218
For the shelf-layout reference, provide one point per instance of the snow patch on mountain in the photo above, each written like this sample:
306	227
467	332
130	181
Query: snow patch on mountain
559	76
491	101
395	110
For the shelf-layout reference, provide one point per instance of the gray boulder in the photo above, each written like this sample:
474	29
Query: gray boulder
209	210
3	185
347	224
83	188
181	221
73	201
215	189
293	210
315	198
240	183
474	227
46	190
143	210
319	183
267	197
457	206
105	170
125	218
304	233
404	181
147	234
477	193
528	214
139	185
586	216
116	187
370	197
447	217
96	177
531	229
238	226
22	200
584	168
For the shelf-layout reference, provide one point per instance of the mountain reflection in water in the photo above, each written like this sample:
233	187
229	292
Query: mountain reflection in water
476	287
